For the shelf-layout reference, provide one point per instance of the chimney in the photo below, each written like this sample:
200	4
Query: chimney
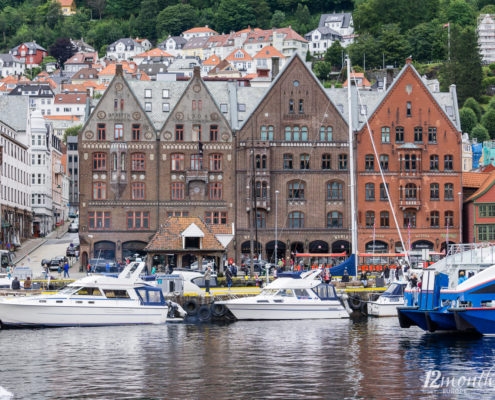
118	69
275	67
196	72
389	78
409	60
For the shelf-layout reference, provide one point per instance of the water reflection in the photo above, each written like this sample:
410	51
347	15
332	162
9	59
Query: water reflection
369	359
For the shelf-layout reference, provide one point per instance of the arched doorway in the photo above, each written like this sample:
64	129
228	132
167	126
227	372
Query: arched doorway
104	249
376	246
398	247
270	250
318	246
246	247
341	245
84	260
296	247
131	248
422	244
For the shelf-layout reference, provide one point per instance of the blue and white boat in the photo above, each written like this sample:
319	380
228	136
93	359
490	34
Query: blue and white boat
440	302
94	300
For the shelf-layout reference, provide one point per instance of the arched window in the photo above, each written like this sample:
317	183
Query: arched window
326	161
411	191
409	219
370	219
258	189
122	162
263	162
291	106
270	132
434	219
295	134
383	192
288	134
301	106
369	162
384	162
137	162
335	219
335	191
385	134
304	133
369	191
264	134
434	162
434	191
384	219
296	219
449	218
114	162
449	192
258	161
296	190
99	161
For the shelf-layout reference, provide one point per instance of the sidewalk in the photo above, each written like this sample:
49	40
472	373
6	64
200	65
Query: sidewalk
31	245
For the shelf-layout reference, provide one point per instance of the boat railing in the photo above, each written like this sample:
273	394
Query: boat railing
467	256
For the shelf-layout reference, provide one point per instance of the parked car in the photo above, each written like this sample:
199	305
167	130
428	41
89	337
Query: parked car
71	250
99	265
205	264
56	262
74	227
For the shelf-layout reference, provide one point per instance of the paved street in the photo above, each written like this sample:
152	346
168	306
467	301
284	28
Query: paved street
50	247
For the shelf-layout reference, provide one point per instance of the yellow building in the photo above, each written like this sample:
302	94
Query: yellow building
68	7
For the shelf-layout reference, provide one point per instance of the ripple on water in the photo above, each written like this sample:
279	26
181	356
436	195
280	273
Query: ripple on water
369	359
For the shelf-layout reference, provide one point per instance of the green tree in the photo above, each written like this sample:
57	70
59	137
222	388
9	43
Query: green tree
176	19
365	51
278	19
72	131
464	67
491	104
480	133
458	12
322	69
468	119
334	55
303	19
122	8
104	32
475	106
262	13
234	15
427	42
146	19
488	121
393	45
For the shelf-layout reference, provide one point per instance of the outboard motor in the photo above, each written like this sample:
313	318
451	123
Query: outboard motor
175	309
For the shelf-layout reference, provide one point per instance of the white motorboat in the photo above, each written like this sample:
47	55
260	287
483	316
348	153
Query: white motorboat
297	297
94	300
386	305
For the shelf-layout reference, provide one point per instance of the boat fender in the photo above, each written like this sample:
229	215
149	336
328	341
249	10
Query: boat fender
204	313
191	307
355	302
218	310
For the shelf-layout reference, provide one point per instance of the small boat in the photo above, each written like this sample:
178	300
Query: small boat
291	296
386	305
95	300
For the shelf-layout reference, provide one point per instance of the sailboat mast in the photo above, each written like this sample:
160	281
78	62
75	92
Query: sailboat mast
352	178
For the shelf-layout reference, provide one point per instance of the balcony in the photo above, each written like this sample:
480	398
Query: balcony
196	175
410	203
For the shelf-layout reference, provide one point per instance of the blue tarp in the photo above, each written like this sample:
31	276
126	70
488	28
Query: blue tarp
477	151
338	270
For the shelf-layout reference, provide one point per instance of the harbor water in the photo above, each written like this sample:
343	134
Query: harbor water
318	359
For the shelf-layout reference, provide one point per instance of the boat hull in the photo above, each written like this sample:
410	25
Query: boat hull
274	311
380	309
24	315
481	319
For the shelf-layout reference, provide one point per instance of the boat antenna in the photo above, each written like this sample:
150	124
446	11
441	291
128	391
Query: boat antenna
406	252
352	185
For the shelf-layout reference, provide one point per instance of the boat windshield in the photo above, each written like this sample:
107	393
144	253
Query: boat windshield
325	292
68	290
269	292
285	293
395	289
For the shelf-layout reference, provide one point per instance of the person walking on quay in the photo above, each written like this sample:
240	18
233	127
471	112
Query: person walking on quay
59	271
66	270
27	283
345	277
207	279
386	274
153	270
9	271
228	277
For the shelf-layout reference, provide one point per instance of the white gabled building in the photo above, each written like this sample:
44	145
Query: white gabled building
173	45
10	65
486	37
15	194
201	31
127	48
331	27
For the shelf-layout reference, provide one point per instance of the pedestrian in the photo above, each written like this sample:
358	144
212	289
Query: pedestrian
9	271
46	270
27	283
88	269
397	272
153	270
327	275
207	279
66	270
345	277
76	253
107	268
364	278
462	277
234	270
16	285
386	274
228	277
59	271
